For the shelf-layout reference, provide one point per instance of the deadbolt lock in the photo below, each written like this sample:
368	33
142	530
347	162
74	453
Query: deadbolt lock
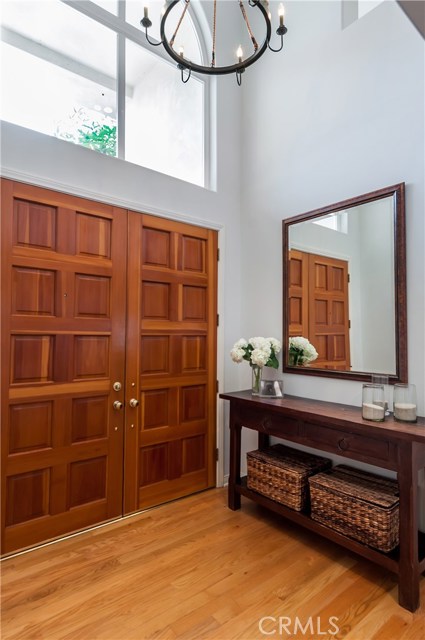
117	386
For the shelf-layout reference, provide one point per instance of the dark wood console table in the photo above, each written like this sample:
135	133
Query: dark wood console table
340	429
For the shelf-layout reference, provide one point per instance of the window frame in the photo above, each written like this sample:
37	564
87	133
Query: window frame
126	31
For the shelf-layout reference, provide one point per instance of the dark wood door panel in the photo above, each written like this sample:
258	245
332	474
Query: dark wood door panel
173	355
63	295
171	367
49	527
168	461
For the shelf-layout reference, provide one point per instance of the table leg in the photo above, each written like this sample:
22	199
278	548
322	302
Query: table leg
408	589
234	498
263	440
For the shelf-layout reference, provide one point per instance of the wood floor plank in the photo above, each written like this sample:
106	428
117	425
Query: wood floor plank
372	627
194	570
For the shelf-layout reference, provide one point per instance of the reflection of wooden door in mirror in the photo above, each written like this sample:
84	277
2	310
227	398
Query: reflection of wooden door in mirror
298	293
328	304
318	305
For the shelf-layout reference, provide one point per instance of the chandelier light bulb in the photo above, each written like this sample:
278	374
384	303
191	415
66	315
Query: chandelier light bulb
239	53
181	52
146	12
281	13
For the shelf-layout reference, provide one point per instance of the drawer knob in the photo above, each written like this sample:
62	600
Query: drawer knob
343	444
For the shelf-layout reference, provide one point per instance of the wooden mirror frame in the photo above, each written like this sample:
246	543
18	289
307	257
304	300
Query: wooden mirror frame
398	193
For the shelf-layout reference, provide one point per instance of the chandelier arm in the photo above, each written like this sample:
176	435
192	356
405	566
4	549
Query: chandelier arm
280	48
248	26
182	68
186	5
281	30
147	23
152	42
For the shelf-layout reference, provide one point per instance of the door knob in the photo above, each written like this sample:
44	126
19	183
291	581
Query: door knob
117	405
133	403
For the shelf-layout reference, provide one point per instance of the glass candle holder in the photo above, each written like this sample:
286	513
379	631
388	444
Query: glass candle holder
404	404
373	402
379	378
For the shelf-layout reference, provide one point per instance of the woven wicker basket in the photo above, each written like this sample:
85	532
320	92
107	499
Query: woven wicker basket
282	473
358	504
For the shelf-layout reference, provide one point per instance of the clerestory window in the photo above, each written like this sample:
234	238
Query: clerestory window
82	71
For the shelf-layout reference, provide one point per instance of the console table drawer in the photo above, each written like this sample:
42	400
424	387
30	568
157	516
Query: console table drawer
341	442
268	423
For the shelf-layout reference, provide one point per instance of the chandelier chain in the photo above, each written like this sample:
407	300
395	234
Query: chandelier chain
186	5
248	26
214	31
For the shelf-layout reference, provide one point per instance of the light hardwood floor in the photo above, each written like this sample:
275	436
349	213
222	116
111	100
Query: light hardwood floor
193	570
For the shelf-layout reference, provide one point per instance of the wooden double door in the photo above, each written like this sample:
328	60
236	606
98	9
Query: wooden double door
108	362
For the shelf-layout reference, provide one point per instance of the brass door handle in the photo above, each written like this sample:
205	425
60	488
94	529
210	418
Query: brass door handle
117	405
133	403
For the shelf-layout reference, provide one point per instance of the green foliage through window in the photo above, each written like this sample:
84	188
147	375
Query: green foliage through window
90	129
99	137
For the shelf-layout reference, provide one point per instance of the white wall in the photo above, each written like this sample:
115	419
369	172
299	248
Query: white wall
337	114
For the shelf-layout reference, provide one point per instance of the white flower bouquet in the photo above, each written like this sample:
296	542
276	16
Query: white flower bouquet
260	352
301	351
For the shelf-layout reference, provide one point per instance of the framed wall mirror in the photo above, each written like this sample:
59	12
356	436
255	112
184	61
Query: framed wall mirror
344	287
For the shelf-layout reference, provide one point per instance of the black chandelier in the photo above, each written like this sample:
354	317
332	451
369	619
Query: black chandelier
187	66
